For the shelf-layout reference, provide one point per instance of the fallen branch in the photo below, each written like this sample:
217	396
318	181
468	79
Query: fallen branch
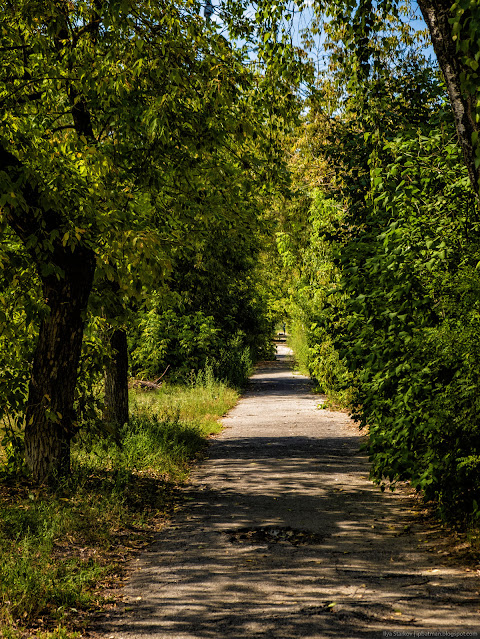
162	375
144	384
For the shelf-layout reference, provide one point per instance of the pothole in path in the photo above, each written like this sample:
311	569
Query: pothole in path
274	535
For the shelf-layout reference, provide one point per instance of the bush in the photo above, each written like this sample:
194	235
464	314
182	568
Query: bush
411	330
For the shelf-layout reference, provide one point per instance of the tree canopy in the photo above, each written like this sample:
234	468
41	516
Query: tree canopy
129	129
173	184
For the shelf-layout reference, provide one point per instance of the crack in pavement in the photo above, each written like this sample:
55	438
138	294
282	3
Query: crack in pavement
282	465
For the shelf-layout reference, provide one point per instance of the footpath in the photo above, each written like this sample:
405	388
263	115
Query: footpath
281	535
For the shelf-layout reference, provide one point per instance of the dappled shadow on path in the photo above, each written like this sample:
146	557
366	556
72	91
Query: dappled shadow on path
362	572
274	383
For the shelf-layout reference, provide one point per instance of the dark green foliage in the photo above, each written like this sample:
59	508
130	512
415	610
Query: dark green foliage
213	310
169	338
234	363
187	344
20	310
312	275
412	326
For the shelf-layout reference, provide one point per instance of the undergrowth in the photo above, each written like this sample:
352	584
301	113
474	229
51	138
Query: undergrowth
57	548
318	359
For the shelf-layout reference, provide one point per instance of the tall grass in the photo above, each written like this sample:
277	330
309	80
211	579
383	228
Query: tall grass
315	355
297	340
56	547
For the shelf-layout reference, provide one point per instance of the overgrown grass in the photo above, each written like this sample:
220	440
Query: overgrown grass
198	403
297	340
58	548
321	362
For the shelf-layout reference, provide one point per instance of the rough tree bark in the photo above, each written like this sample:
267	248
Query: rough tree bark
116	380
437	14
50	420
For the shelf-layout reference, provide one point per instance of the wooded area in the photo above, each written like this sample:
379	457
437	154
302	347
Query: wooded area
173	186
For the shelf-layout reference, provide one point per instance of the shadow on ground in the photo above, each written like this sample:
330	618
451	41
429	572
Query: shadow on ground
281	535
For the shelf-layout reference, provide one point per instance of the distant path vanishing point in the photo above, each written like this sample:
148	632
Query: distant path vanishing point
282	535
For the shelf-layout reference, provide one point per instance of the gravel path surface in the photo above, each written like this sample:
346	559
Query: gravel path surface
282	535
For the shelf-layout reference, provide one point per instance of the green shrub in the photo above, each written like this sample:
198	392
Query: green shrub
411	330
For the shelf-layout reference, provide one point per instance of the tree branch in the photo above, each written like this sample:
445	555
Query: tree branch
437	16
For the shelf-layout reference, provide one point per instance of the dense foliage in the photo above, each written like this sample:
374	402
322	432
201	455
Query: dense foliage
387	310
411	326
145	199
170	188
135	156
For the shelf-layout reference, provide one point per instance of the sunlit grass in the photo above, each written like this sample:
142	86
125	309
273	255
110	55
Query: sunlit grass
199	404
56	547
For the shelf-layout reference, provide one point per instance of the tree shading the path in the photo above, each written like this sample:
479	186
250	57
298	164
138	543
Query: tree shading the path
281	535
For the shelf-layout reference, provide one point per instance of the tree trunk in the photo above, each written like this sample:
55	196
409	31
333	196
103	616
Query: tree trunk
437	14
50	418
116	380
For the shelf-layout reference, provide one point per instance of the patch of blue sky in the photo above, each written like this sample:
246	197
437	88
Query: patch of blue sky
302	26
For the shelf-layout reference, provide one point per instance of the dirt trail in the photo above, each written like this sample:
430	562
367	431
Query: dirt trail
282	535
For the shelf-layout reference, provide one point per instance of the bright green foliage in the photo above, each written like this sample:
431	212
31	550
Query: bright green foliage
142	136
412	327
363	39
312	276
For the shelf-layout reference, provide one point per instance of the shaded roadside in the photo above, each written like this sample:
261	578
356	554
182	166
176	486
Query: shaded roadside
281	535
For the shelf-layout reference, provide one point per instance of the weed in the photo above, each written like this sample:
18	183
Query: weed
321	362
55	547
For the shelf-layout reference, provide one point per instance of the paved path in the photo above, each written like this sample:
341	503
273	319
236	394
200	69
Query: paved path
283	536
